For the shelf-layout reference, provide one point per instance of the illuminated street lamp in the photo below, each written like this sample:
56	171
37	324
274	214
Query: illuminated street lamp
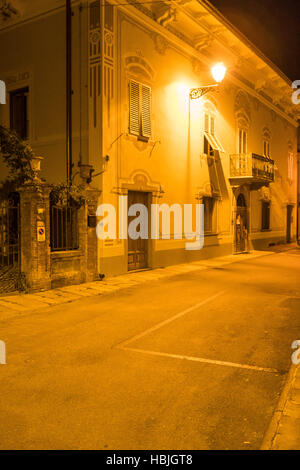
218	72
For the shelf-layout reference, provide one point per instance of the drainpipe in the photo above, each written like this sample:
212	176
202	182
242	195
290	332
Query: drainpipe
69	163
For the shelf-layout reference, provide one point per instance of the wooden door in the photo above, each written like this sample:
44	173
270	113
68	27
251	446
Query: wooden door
289	220
137	249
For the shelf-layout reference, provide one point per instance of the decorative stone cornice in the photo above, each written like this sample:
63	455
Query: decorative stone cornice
165	14
261	84
215	34
203	41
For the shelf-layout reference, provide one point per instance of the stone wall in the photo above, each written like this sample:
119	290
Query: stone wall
43	268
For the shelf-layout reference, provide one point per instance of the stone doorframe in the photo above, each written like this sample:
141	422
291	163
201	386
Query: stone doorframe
140	180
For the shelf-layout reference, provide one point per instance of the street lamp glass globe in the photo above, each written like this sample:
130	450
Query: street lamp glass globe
218	72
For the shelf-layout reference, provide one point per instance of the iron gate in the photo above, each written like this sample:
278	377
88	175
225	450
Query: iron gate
10	276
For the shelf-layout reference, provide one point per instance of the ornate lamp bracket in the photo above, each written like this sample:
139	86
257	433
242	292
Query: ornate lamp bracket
196	93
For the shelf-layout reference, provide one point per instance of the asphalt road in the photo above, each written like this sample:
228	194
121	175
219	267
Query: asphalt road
196	361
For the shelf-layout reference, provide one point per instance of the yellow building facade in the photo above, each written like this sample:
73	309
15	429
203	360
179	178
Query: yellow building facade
234	149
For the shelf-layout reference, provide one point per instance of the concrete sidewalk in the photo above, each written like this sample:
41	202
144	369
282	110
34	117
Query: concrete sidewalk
284	429
14	305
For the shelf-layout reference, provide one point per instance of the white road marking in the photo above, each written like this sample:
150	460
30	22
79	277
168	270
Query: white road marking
169	320
202	359
124	344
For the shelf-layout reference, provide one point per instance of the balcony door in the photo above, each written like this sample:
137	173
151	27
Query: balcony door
241	225
137	249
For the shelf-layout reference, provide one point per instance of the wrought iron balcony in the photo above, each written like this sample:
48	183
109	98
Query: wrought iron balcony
251	168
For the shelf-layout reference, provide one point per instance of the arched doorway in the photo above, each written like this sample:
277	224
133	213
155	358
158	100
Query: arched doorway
241	225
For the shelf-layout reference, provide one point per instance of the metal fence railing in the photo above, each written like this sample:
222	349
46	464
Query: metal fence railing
10	275
63	228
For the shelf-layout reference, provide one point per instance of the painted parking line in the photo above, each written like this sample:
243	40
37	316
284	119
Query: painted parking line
169	320
203	360
124	345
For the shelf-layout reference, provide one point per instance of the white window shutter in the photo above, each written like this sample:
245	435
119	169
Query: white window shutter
134	108
146	110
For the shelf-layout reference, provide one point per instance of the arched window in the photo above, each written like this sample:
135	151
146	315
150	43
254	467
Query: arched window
266	142
242	127
243	118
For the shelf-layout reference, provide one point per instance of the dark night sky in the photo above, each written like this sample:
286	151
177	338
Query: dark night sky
272	25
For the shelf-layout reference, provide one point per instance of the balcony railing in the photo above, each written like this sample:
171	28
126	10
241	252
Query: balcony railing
252	167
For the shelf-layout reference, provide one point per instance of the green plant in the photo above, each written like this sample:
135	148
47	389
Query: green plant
63	194
17	155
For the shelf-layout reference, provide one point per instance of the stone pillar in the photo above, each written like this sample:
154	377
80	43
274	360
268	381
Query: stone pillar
35	235
87	231
91	246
